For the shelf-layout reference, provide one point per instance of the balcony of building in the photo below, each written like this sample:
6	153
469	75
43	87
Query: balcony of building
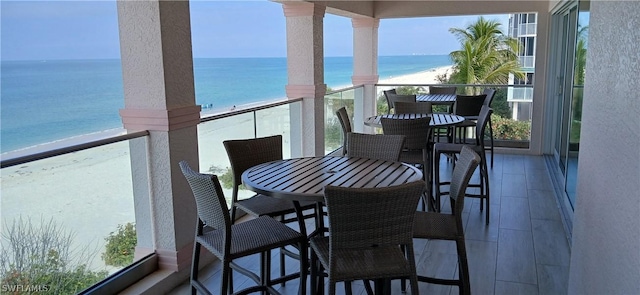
523	249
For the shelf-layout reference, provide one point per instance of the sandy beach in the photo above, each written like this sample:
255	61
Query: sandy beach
429	76
90	192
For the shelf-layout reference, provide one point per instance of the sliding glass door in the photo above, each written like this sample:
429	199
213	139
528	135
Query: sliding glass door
569	41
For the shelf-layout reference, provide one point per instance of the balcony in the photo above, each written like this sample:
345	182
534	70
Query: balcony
513	239
524	249
601	263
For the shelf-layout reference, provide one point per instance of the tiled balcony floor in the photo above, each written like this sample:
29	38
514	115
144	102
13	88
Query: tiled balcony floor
523	250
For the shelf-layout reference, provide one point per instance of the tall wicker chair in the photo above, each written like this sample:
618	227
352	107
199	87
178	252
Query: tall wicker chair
393	98
416	149
246	153
368	230
229	241
456	148
490	93
470	120
402	107
469	107
345	123
444	131
375	146
388	93
442	90
441	226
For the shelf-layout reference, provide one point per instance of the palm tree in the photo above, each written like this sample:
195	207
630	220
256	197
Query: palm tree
487	56
581	55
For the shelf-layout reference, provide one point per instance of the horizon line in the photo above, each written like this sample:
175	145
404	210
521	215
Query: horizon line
200	57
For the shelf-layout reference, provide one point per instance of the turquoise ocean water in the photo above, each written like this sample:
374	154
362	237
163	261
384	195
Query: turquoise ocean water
44	101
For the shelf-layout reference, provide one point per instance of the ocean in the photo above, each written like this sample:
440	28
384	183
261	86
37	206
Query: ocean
45	101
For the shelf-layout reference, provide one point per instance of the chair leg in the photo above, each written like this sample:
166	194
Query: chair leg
332	288
302	289
233	214
367	287
347	288
463	267
282	270
230	280
486	187
226	286
315	273
194	266
436	181
491	139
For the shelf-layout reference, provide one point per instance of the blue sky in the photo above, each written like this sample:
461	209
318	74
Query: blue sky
41	30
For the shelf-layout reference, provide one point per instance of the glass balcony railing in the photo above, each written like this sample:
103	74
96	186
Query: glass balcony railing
68	221
527	61
266	120
333	101
69	211
527	29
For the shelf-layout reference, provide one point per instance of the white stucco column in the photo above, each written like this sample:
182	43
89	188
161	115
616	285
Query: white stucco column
365	69
157	65
305	71
540	84
605	255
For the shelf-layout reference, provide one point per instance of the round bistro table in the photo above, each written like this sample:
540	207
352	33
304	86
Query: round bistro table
437	120
304	179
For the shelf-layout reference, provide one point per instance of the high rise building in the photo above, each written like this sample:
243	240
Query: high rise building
523	27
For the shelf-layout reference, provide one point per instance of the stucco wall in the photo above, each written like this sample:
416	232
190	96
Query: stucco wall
605	256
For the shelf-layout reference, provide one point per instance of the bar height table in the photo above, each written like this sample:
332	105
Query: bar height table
304	179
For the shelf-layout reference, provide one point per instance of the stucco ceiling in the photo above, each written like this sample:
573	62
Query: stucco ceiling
421	8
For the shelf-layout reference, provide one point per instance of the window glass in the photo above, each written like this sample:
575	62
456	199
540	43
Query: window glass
530	46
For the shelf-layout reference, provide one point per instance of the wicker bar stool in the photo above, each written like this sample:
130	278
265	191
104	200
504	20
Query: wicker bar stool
246	153
345	123
375	146
456	148
368	230
416	149
229	241
445	226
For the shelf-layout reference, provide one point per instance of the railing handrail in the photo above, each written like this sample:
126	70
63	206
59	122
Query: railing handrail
460	85
249	110
9	161
344	89
12	161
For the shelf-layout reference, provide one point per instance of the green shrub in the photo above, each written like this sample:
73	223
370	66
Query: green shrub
509	129
42	258
120	246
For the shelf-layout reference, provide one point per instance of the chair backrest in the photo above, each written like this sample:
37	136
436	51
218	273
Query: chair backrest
374	146
363	217
416	131
210	202
442	90
345	122
393	98
246	153
386	95
490	93
481	124
402	107
468	105
467	162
